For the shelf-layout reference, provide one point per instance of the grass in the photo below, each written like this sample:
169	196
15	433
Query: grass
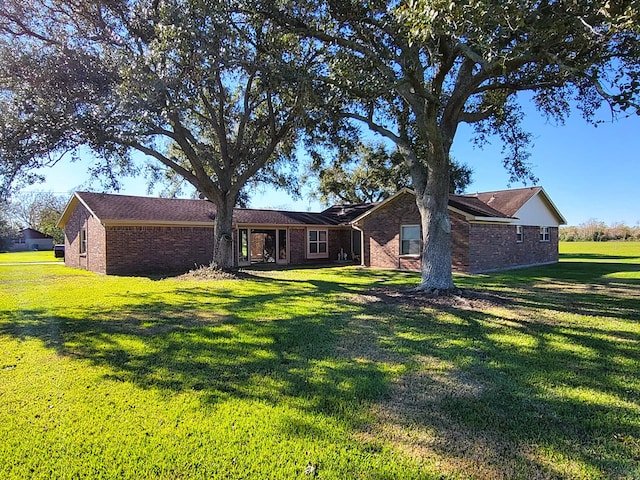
322	373
31	256
620	252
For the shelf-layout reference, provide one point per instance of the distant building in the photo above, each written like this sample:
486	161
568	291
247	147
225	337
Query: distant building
30	239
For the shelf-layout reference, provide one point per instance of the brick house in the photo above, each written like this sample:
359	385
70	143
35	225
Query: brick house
489	231
119	234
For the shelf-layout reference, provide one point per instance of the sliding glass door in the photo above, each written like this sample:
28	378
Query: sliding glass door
260	245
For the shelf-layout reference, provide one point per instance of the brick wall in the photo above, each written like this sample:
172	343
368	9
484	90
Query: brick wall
494	247
297	239
381	247
475	247
459	242
336	239
94	258
149	249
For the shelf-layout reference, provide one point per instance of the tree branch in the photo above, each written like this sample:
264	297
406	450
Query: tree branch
189	176
246	111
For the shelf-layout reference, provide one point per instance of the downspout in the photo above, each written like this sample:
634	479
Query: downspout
86	242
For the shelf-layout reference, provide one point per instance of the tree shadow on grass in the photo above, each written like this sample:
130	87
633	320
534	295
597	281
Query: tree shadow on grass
564	271
595	289
487	394
259	346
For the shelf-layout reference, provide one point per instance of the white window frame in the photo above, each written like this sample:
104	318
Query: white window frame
83	241
318	242
519	234
409	253
545	234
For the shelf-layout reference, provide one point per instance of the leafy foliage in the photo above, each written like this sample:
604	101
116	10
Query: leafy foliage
414	71
7	230
597	231
206	90
40	211
371	174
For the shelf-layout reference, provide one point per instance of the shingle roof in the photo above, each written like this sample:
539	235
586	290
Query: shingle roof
469	204
125	208
344	214
110	207
508	201
34	234
474	206
280	217
131	209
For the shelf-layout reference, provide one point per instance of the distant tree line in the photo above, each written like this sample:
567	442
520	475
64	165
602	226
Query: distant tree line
37	210
596	231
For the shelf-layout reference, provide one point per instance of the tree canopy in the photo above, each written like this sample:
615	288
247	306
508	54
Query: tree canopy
369	173
229	86
413	71
38	210
7	230
212	93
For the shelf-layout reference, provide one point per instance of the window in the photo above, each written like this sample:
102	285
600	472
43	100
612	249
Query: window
317	244
410	240
243	245
83	240
519	235
544	234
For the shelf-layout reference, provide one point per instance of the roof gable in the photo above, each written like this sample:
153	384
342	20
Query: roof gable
373	207
469	205
508	201
33	234
524	204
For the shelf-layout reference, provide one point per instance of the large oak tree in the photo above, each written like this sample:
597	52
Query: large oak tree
414	70
211	93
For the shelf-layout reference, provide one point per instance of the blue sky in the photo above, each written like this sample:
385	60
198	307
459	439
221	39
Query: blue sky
589	172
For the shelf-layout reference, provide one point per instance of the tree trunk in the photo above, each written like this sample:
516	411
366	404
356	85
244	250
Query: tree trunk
432	198
223	246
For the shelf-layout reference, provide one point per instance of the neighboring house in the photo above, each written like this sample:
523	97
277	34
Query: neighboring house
119	234
31	239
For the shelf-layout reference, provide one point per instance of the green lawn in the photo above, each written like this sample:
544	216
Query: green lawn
26	257
324	373
619	252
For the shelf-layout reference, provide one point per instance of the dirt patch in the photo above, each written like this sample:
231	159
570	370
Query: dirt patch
465	299
413	417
